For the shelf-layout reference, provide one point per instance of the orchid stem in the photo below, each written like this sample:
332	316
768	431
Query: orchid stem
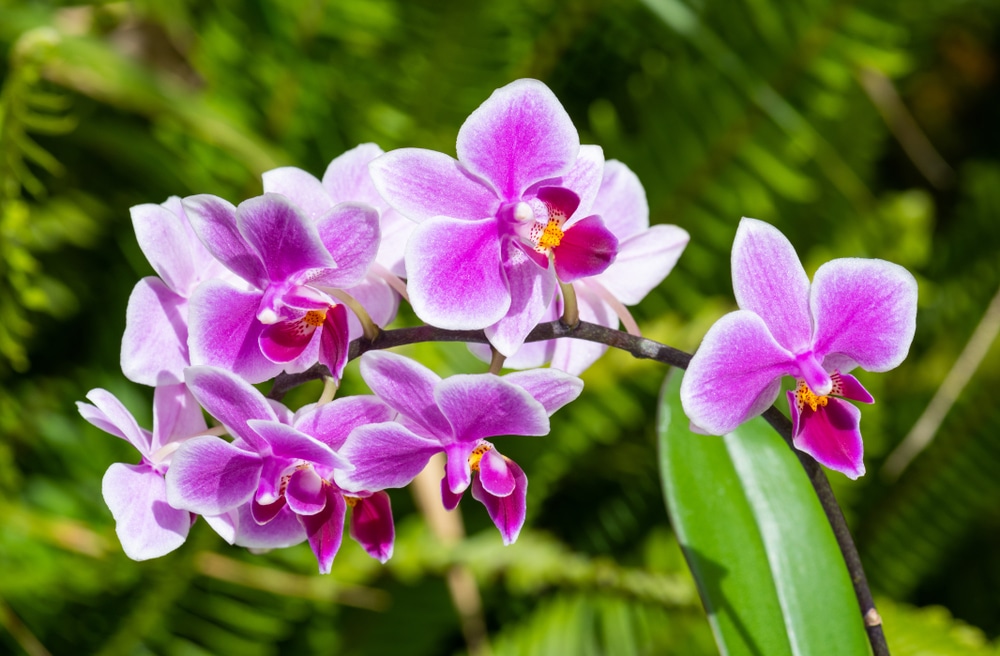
496	360
571	310
330	386
370	330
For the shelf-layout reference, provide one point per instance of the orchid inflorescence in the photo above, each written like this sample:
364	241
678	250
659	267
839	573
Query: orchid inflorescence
524	226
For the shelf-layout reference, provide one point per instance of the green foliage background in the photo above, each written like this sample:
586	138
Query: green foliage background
776	110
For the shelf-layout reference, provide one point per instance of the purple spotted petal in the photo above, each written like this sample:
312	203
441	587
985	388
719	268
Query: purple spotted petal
559	200
325	529
531	291
584	179
587	249
335	341
521	134
643	261
865	310
407	387
301	188
214	221
305	493
372	527
494	474
210	476
224	331
550	387
351	233
384	455
507	512
332	422
286	240
176	414
479	406
112	417
768	279
286	340
154	346
347	178
851	388
422	184
735	374
146	525
232	401
831	435
456	279
621	201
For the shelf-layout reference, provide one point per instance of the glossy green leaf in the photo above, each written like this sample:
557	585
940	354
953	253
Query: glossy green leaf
767	565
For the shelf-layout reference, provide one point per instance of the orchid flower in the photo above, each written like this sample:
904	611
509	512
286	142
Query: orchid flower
347	180
280	466
855	313
519	195
284	317
155	343
645	256
454	416
147	526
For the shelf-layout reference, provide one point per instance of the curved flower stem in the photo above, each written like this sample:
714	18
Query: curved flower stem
571	310
371	331
644	348
496	360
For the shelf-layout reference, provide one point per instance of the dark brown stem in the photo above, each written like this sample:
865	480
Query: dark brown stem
639	347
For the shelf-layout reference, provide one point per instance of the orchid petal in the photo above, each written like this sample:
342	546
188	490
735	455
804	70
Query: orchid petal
831	435
378	299
372	527
111	416
262	513
286	240
457	470
214	221
231	400
643	261
292	444
584	179
735	374
165	242
332	422
325	529
225	332
146	525
210	476
396	230
865	310
550	387
586	249
449	499
300	187
494	474
286	340
351	233
283	530
305	494
621	201
508	512
335	341
559	200
422	184
479	406
768	279
851	388
407	387
531	290
384	455
521	134
347	178
456	279
176	414
154	346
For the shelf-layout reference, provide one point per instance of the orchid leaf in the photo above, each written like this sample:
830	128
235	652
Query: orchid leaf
768	568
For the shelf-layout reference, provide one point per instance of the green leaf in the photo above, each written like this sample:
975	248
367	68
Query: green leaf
767	565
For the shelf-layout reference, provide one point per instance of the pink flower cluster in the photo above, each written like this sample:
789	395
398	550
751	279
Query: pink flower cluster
285	280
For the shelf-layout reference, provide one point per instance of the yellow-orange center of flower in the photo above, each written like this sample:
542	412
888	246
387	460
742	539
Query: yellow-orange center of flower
551	234
477	456
351	501
314	318
805	397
